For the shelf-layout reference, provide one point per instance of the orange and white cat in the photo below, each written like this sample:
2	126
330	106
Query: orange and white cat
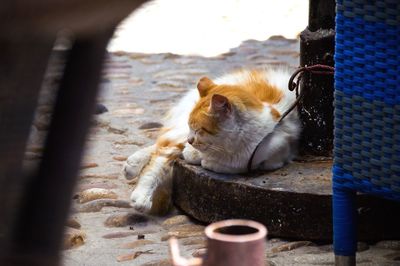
218	126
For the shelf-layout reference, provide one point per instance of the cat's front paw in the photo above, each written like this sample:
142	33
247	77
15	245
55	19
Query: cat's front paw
153	191
217	167
136	162
191	155
142	200
210	165
151	201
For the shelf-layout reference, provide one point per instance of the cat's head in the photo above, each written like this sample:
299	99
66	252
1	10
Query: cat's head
217	114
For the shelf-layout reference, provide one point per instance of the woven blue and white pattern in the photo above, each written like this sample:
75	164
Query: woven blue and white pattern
367	97
367	111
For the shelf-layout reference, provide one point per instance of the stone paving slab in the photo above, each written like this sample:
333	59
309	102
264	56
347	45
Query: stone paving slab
138	89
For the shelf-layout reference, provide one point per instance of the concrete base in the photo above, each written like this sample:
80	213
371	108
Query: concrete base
293	202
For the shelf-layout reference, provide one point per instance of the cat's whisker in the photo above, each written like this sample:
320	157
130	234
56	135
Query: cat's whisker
217	148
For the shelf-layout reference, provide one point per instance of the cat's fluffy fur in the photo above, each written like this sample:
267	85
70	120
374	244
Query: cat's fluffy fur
224	120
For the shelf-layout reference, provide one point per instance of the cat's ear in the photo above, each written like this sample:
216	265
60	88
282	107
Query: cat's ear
220	105
204	86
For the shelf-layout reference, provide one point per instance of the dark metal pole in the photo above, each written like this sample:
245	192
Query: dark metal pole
317	46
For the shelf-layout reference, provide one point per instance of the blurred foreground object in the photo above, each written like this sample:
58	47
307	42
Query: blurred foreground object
367	114
229	242
34	206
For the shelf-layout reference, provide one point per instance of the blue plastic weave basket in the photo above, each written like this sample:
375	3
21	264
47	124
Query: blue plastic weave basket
367	97
367	108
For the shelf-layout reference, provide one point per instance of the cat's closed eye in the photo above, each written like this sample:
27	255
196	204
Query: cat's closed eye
204	130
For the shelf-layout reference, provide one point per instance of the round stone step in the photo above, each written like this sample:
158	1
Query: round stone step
293	202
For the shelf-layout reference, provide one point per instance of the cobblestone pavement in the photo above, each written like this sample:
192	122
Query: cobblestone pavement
138	89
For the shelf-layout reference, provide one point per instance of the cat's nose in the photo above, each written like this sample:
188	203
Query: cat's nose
190	140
